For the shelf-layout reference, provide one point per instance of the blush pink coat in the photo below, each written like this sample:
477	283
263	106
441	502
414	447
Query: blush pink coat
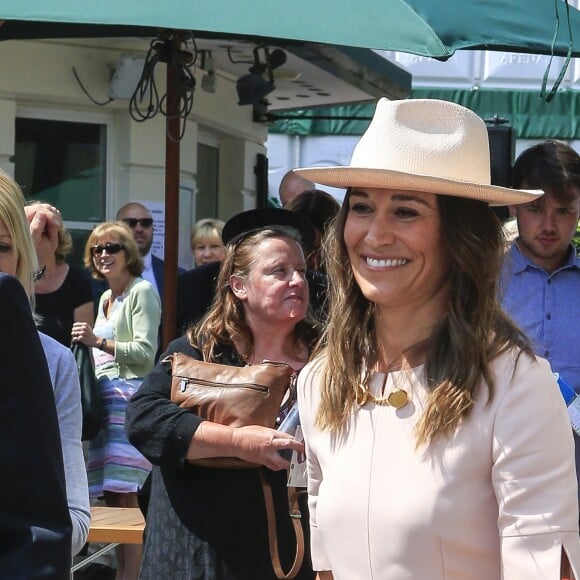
496	501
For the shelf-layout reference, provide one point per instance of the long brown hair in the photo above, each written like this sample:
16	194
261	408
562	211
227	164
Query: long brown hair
225	321
473	332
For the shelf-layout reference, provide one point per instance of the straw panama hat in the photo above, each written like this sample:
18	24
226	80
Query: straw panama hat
424	145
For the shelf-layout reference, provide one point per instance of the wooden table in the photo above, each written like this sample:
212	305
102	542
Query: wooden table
113	526
116	525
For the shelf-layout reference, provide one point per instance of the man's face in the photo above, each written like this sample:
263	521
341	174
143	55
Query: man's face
546	227
134	215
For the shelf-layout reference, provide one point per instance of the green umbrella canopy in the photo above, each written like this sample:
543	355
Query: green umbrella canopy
422	27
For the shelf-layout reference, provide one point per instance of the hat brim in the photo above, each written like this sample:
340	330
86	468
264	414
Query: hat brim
346	176
256	219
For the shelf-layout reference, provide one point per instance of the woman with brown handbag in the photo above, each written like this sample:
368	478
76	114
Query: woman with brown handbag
208	523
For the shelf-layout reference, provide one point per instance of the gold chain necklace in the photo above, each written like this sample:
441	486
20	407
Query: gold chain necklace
397	399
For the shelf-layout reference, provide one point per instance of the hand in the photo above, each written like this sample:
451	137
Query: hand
45	221
82	332
261	445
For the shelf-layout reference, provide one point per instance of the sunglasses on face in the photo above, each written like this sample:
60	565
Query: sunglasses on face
143	222
109	247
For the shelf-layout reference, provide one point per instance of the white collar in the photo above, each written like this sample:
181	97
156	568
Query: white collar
148	261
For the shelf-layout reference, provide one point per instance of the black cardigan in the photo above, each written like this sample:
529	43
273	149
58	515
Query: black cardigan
202	523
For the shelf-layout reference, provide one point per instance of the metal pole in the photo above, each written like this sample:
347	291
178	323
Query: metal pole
172	171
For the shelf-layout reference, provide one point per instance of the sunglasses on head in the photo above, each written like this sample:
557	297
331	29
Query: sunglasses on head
109	247
143	222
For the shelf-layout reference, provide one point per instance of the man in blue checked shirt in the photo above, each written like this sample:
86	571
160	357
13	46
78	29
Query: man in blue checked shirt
541	273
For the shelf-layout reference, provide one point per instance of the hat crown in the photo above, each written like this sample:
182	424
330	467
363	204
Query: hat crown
426	137
424	145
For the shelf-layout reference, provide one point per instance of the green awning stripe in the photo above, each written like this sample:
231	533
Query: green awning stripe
526	111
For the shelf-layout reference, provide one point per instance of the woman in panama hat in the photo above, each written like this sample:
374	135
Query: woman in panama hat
438	446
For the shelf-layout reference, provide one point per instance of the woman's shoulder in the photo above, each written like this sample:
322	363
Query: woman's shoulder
310	376
141	285
143	289
59	358
77	285
78	274
518	369
54	349
183	346
313	366
516	360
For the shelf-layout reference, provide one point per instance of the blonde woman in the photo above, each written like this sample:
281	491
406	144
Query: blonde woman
438	446
124	341
18	258
206	241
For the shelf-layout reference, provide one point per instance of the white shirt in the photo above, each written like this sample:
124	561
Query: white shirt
148	271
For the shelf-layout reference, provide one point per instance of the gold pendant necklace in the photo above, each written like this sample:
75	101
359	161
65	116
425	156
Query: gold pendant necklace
397	399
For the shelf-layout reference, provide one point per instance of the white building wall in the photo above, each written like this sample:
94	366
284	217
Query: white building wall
37	76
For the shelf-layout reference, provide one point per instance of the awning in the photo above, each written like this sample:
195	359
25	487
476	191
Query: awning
525	111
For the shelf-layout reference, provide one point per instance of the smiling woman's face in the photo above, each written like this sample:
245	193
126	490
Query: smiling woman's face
110	264
396	247
8	253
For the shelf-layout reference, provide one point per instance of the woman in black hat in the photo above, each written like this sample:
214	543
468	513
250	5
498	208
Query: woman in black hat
207	523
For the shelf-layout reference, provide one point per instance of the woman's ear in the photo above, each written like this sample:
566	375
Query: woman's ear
238	287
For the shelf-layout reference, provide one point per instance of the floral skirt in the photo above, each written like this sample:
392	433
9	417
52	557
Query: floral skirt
114	464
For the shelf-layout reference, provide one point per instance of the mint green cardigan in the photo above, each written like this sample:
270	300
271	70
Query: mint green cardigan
135	330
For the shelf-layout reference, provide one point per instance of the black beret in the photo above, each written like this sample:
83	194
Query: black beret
256	219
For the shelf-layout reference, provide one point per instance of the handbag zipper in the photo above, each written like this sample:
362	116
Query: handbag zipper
253	386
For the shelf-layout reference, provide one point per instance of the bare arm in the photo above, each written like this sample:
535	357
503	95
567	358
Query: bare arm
253	443
324	575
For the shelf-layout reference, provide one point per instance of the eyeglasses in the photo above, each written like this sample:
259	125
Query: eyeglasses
109	247
143	222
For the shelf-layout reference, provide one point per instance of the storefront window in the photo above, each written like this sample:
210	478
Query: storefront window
63	163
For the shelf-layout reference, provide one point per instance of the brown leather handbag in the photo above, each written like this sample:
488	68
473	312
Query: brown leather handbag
239	396
229	395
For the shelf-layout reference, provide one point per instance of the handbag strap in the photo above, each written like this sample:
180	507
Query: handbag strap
295	516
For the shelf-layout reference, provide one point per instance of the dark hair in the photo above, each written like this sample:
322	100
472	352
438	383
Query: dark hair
551	165
317	206
474	331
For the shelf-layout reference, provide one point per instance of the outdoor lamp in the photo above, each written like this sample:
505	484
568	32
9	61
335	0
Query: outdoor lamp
207	64
252	88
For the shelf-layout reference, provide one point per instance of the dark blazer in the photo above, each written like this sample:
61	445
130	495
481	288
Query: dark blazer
158	266
196	289
35	526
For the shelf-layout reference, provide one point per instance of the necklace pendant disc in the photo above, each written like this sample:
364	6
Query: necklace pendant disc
398	398
362	398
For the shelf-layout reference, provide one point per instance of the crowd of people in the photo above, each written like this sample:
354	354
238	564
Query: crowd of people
424	357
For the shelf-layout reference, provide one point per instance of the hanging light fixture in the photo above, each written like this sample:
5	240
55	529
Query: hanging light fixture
253	87
207	64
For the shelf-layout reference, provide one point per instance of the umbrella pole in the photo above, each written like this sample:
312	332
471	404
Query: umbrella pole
172	171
